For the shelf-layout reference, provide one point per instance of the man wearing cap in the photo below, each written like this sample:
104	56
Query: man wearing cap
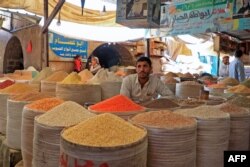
143	86
224	67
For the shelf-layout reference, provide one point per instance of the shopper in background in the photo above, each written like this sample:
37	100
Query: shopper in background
77	63
143	86
95	65
224	67
236	67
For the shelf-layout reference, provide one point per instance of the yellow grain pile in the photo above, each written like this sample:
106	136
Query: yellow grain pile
17	88
46	72
163	119
57	76
44	104
203	112
72	78
29	96
105	130
85	75
229	81
239	89
64	115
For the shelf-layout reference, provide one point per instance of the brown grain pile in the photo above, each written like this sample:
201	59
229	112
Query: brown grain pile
57	76
161	104
170	80
229	81
29	96
232	109
163	119
17	88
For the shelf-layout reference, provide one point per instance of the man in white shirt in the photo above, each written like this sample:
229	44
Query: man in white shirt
143	86
224	67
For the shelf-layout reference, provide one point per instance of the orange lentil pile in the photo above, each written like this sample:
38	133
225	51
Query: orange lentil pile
29	96
45	104
163	119
118	103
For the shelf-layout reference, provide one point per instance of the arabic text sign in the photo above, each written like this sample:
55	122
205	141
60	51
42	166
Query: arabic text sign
67	47
196	17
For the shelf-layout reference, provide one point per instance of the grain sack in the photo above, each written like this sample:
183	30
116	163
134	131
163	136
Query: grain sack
122	144
119	105
16	88
213	130
80	93
15	104
110	89
239	128
47	129
188	89
171	138
49	84
29	112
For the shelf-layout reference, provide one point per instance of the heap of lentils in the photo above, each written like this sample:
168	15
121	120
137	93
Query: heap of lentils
104	130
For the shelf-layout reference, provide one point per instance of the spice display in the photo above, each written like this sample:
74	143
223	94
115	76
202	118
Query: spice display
189	102
120	73
246	83
229	81
171	74
189	83
45	104
239	89
113	78
118	103
72	78
6	83
85	75
203	112
29	96
64	115
46	72
163	119
17	88
57	76
241	101
232	109
161	104
105	130
218	86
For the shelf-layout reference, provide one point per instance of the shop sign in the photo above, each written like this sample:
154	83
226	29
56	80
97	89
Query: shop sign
195	17
65	47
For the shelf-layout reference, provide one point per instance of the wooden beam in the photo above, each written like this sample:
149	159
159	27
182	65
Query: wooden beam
52	15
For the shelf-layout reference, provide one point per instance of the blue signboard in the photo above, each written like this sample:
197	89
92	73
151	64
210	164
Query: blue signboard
67	47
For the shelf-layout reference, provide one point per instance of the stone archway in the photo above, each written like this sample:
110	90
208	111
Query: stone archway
13	56
113	54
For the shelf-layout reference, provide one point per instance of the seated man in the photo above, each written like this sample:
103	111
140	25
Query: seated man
142	86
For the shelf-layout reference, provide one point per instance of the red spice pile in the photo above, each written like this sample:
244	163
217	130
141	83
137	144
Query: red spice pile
6	83
118	103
